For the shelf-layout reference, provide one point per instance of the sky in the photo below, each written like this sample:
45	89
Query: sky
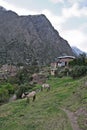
68	17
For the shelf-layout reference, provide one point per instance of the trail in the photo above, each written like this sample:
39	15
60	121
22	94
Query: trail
73	119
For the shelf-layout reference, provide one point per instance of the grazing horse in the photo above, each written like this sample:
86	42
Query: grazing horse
30	95
47	86
24	94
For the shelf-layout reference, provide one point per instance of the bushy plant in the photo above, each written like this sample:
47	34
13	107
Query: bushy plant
23	88
78	71
63	72
25	75
81	61
5	90
4	95
9	87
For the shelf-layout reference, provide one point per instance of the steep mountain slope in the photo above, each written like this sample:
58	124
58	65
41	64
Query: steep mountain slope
77	51
26	38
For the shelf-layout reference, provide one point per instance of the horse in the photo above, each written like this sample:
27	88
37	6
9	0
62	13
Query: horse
29	95
47	86
24	94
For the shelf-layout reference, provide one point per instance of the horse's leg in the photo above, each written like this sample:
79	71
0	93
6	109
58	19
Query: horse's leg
34	97
28	100
41	88
48	89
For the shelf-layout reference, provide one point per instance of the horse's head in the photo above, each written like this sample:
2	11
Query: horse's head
23	95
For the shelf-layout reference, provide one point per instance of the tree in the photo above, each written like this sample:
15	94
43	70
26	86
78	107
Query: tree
81	60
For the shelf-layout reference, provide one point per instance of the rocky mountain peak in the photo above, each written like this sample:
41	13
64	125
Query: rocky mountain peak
24	39
2	8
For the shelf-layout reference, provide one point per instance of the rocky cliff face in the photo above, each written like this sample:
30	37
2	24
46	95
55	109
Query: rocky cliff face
24	39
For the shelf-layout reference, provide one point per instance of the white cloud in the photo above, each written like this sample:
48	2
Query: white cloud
57	1
20	11
76	38
75	1
83	27
67	13
74	11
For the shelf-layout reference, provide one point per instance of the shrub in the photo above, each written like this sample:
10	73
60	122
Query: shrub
4	95
5	91
78	71
23	88
81	61
9	87
63	72
25	75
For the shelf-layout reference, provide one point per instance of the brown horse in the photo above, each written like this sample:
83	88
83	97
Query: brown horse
30	95
45	86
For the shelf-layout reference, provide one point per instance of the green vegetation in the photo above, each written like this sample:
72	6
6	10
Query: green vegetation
76	68
78	71
24	88
17	84
5	90
81	60
25	75
46	112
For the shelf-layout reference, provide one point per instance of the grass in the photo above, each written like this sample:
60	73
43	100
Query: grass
46	113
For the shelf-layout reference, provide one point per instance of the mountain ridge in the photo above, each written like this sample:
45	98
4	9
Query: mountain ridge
77	51
26	38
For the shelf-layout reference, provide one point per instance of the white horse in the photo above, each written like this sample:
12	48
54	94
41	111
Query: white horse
47	86
29	95
24	94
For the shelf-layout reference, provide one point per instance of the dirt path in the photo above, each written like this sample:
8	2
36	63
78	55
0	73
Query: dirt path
73	119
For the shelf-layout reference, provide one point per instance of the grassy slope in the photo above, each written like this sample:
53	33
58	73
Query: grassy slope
45	113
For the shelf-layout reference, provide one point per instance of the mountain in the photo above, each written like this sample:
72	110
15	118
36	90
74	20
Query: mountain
24	39
2	8
77	51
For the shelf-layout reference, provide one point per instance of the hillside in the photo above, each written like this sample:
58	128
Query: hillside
51	109
24	39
